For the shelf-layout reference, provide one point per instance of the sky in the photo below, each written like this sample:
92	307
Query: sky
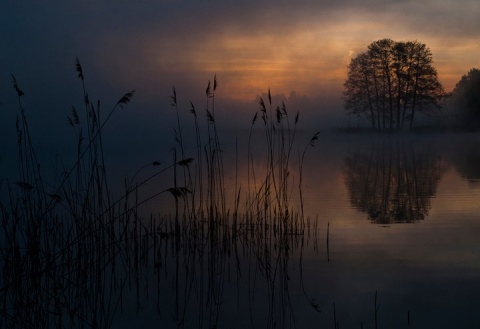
298	49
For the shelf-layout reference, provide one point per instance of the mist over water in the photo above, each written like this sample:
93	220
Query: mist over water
185	213
392	215
404	228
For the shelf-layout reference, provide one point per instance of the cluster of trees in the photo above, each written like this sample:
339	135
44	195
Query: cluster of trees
391	82
465	98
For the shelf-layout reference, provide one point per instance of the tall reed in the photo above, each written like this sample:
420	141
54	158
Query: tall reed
73	252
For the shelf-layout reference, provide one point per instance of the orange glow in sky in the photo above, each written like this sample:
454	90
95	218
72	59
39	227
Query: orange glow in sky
311	59
303	46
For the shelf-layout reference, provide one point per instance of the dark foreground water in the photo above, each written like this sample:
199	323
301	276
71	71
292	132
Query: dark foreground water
389	238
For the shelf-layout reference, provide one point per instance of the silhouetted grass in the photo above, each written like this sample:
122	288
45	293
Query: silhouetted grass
71	250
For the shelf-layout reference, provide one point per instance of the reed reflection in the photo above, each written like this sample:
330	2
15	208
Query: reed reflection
84	256
393	181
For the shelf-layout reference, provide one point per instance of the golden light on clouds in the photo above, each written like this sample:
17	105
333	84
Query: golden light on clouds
309	57
305	61
310	62
454	59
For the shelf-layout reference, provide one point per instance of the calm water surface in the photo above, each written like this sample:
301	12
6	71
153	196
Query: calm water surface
390	236
403	221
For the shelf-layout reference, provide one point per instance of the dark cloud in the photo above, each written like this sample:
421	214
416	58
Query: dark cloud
150	45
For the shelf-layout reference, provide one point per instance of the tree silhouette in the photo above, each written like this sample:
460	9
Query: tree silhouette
466	97
392	183
390	82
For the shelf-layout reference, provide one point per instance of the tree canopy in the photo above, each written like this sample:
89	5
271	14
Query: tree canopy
466	97
390	82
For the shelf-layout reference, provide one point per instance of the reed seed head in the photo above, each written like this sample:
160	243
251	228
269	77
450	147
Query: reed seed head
78	67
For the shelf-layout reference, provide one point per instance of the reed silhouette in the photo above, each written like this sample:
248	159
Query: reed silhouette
73	253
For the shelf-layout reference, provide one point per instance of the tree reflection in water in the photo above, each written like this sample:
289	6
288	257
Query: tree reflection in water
466	158
392	181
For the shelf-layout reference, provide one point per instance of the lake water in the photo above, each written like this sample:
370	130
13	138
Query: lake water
403	220
389	239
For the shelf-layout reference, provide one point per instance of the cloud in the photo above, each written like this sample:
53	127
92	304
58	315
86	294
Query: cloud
303	45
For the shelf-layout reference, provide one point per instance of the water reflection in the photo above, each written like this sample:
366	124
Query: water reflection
103	273
264	268
392	181
466	160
